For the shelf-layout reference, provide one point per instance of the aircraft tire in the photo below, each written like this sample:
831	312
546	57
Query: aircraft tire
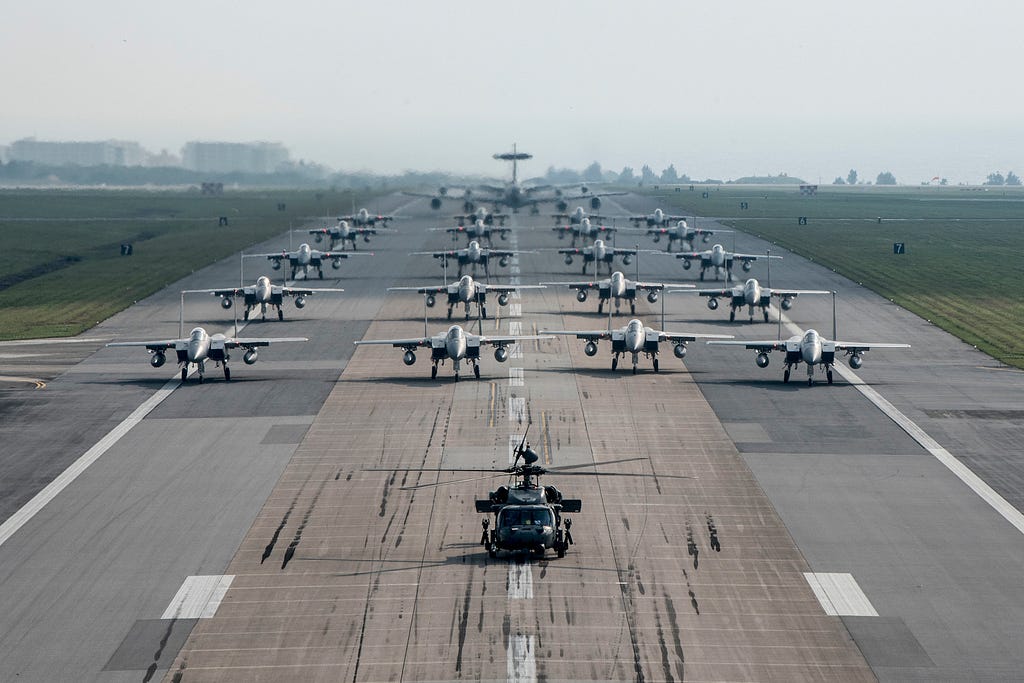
433	372
732	316
184	374
280	314
456	377
561	549
450	314
227	373
810	381
655	364
632	308
245	316
634	368
829	376
321	274
492	552
476	371
785	376
615	363
766	315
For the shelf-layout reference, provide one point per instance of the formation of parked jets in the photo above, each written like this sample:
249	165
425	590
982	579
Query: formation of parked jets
461	346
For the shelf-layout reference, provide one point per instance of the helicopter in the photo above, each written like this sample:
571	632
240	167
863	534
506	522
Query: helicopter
527	516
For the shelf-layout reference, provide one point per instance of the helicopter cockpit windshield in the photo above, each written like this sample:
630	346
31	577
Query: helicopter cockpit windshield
527	516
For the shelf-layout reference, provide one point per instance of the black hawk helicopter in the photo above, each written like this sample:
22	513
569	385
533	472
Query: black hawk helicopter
527	515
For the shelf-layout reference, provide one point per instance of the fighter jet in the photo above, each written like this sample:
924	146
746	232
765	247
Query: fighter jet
476	230
584	230
812	349
750	294
305	257
634	339
472	255
719	259
200	347
481	214
466	291
456	345
659	217
264	293
364	217
598	253
681	232
576	217
343	232
617	287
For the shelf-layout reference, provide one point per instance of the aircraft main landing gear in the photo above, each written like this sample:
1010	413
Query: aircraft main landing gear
280	314
615	362
184	374
785	376
433	372
476	371
227	372
828	376
655	362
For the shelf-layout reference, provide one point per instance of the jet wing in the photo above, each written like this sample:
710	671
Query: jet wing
159	345
690	336
498	253
237	291
294	291
750	257
581	334
662	285
251	342
426	289
593	284
716	293
508	339
796	292
693	255
398	343
866	346
510	288
575	250
766	345
450	253
338	254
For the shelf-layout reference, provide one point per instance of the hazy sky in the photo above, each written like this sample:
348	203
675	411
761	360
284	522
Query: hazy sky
719	89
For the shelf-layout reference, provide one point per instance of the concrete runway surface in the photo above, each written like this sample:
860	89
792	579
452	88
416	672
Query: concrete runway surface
232	531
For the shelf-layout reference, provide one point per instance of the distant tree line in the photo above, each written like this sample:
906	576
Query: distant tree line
998	179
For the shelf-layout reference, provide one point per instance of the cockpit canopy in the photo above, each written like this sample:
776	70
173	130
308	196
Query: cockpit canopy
526	516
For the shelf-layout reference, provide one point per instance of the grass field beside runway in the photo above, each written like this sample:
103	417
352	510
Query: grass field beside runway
61	268
964	261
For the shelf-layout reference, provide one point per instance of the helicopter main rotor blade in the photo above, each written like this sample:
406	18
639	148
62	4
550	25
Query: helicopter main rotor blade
454	481
559	468
434	469
622	474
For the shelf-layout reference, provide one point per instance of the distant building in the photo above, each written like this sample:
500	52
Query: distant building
225	157
104	152
164	158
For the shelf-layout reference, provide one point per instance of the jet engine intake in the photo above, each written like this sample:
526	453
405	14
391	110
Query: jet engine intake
250	356
856	360
762	360
501	354
581	295
300	302
226	302
157	359
590	349
679	350
713	303
409	358
652	296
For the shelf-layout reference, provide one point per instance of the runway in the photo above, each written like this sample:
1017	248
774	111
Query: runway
773	523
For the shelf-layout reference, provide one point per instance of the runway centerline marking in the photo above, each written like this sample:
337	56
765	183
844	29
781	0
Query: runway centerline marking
961	471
